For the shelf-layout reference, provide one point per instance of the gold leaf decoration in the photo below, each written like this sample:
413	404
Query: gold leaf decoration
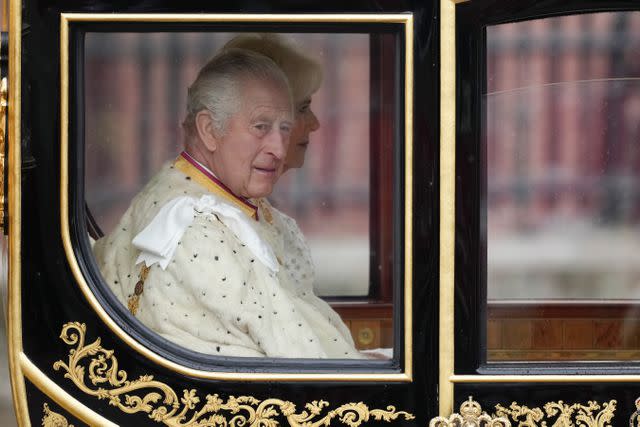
53	419
163	404
471	415
561	414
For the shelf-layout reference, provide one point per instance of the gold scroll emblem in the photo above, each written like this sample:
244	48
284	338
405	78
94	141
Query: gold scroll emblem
163	405
471	415
53	419
561	414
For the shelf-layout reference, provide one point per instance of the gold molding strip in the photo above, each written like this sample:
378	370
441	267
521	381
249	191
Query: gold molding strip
163	404
5	16
61	397
447	202
14	319
53	419
560	414
391	18
400	18
408	204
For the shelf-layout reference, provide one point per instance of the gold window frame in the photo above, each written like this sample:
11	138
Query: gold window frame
14	225
406	19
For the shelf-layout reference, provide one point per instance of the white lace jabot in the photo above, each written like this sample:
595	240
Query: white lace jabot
159	240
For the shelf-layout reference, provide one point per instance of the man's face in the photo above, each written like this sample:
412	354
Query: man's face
249	158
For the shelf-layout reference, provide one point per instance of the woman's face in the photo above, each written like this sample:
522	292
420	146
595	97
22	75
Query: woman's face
305	122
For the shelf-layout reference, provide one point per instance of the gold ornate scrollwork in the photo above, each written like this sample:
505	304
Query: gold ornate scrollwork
163	405
53	419
563	415
471	415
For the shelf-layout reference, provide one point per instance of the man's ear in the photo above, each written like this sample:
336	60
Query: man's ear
206	130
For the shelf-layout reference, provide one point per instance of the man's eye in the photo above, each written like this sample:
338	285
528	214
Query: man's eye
262	127
303	109
285	128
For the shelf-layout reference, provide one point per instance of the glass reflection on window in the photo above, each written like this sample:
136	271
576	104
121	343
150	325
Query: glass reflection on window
135	98
563	188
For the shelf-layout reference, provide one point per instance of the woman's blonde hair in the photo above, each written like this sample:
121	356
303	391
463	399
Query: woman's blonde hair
303	72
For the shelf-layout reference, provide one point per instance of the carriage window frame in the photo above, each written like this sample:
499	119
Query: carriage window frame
73	212
469	359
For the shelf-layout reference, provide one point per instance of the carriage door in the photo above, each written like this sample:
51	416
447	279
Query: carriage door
544	177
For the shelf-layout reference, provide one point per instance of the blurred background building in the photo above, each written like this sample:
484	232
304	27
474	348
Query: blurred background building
563	158
562	132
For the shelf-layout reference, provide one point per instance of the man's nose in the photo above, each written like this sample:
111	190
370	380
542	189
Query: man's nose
278	143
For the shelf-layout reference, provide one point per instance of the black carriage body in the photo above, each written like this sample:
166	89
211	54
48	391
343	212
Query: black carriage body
56	312
67	330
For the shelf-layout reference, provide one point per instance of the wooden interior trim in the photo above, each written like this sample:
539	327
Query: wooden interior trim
563	310
382	140
363	310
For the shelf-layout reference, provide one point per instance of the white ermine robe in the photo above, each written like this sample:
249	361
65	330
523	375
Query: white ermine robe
226	277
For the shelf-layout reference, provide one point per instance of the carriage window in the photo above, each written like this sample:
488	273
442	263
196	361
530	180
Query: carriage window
337	185
562	136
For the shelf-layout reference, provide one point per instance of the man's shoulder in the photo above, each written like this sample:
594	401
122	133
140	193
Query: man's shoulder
168	184
165	185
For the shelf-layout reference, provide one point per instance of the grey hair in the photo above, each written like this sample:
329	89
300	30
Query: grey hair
217	88
303	72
